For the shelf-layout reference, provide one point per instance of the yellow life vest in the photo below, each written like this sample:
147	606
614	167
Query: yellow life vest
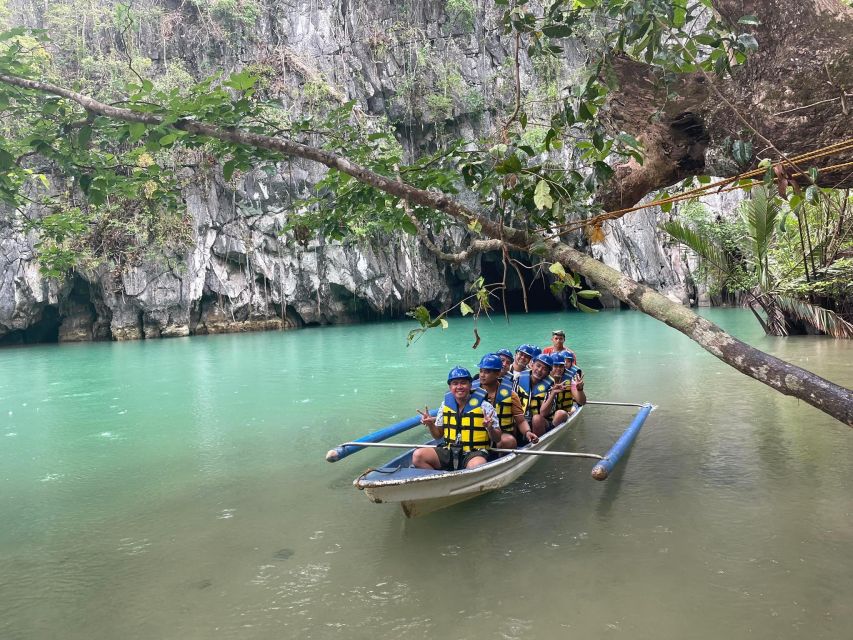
532	398
465	427
502	402
564	399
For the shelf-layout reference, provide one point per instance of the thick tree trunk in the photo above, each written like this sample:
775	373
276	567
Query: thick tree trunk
795	92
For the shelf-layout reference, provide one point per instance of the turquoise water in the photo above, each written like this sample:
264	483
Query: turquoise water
177	489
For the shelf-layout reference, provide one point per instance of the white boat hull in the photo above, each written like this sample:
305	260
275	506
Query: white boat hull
422	491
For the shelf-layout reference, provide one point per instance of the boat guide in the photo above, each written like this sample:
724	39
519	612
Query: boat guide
421	491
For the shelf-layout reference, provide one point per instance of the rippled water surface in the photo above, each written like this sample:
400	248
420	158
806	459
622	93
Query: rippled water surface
177	489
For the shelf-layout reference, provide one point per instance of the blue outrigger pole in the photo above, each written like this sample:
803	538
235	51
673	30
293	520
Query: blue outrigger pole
601	470
342	451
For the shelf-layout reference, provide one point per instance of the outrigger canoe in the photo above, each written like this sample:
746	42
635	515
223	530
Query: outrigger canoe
421	491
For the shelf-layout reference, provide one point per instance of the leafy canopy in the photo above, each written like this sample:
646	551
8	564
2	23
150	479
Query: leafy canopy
56	154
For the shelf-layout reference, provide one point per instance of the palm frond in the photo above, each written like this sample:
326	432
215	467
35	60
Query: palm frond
762	212
823	320
706	248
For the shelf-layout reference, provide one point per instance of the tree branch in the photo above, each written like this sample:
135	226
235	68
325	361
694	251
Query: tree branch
782	376
476	246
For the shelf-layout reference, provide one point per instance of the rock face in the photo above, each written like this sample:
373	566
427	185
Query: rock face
240	274
423	68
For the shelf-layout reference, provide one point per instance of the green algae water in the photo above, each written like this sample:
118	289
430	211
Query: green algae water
178	489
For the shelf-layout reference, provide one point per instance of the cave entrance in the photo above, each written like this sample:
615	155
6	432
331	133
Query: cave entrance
536	283
83	314
45	329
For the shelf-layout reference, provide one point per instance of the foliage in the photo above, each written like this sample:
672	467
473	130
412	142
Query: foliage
460	15
510	174
573	283
759	255
479	294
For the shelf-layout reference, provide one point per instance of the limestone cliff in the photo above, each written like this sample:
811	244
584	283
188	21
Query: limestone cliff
428	66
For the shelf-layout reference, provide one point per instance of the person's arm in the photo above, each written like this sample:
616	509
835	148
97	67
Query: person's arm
490	422
434	423
521	422
578	394
547	407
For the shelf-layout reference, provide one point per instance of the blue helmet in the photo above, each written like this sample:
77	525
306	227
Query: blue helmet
491	361
458	373
528	349
538	351
569	356
558	359
504	352
545	359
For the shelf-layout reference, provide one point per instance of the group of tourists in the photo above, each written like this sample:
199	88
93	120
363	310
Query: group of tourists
514	399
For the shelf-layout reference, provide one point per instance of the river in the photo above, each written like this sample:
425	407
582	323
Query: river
178	489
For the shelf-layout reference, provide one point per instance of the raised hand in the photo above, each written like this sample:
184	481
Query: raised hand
426	419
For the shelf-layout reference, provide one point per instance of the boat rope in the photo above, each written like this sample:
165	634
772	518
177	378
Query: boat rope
720	186
379	470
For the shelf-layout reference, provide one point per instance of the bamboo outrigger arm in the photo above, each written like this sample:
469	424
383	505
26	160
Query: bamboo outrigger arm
623	444
347	448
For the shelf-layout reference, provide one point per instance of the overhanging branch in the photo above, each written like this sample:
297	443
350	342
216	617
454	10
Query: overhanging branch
786	378
476	246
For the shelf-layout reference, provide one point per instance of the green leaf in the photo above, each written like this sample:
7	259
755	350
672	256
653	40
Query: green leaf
408	226
586	309
228	170
707	39
168	139
749	20
241	81
96	196
742	152
748	41
795	201
812	193
136	130
679	15
7	160
84	136
589	294
666	207
558	31
629	140
444	323
603	171
557	269
512	164
542	195
465	309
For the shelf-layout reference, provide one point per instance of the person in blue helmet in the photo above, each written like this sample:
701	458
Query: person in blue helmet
532	388
523	355
507	404
574	375
571	363
506	359
466	421
560	401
